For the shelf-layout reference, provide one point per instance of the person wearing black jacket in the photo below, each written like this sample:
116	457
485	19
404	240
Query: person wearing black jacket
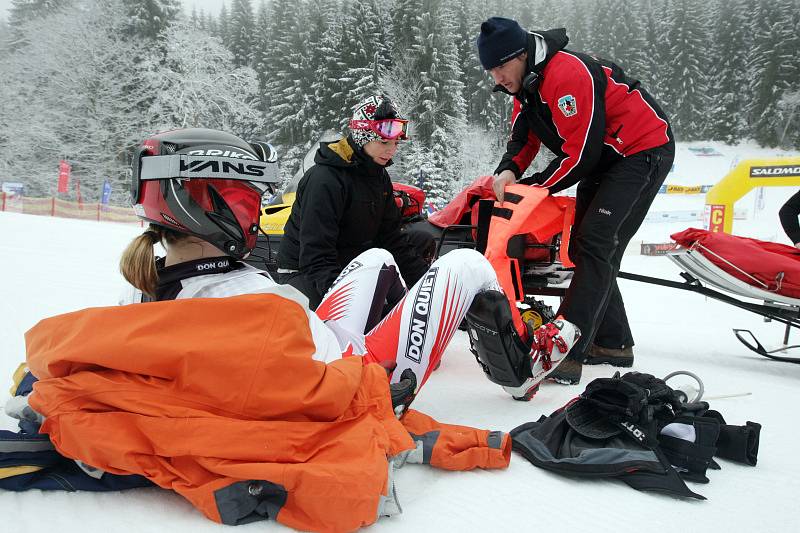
611	138
788	215
345	205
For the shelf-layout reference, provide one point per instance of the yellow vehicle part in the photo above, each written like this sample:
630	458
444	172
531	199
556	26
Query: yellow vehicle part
533	318
274	217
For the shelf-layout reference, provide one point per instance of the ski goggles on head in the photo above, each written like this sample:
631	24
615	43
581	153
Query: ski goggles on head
389	129
261	175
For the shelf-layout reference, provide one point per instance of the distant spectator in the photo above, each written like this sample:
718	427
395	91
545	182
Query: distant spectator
788	215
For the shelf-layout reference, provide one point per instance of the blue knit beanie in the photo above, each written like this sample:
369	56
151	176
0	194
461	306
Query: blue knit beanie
501	40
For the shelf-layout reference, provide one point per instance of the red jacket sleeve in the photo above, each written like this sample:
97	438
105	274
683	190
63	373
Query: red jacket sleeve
576	100
522	147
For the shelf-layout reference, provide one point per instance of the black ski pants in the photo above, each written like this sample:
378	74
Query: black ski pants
609	209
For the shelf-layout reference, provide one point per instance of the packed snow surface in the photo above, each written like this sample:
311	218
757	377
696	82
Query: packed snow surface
52	266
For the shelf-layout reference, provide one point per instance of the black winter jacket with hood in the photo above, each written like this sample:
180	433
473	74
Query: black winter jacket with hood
344	206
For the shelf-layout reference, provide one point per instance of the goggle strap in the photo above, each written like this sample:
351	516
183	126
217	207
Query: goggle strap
185	166
374	126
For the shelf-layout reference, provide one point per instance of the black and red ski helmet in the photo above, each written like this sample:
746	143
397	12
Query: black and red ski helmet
206	183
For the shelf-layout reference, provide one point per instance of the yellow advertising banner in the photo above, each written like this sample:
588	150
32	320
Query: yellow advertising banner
684	189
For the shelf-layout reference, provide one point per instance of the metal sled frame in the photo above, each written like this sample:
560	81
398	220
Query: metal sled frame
700	276
698	270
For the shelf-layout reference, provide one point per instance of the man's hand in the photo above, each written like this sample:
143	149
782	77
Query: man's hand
506	177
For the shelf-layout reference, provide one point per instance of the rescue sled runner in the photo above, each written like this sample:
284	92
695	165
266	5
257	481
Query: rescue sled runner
764	277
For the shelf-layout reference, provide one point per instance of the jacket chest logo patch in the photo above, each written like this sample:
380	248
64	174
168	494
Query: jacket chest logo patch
568	105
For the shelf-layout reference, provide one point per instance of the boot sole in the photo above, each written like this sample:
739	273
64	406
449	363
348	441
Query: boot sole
622	362
563	381
528	396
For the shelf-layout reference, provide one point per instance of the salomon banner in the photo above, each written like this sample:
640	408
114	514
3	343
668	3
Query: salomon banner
775	172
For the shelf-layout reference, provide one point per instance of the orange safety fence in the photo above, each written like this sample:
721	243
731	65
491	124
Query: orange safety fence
56	207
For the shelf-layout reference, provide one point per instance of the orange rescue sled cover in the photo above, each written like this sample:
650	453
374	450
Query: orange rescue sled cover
526	210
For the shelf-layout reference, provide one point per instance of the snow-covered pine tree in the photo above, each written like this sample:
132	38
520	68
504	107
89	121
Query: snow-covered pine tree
241	30
290	82
773	67
198	88
149	18
262	42
405	16
476	91
504	8
202	22
655	30
23	11
211	25
635	49
365	48
223	26
684	81
330	99
5	38
576	16
605	29
525	14
725	99
73	98
440	109
789	107
630	49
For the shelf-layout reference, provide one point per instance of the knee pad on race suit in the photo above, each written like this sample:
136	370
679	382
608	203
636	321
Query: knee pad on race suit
502	354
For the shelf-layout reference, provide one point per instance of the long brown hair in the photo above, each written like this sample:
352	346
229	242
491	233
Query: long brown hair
138	261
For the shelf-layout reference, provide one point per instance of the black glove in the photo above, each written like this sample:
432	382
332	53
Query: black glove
658	392
737	443
637	404
404	391
608	407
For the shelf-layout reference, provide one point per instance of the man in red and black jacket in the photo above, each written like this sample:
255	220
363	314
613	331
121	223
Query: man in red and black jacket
611	138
